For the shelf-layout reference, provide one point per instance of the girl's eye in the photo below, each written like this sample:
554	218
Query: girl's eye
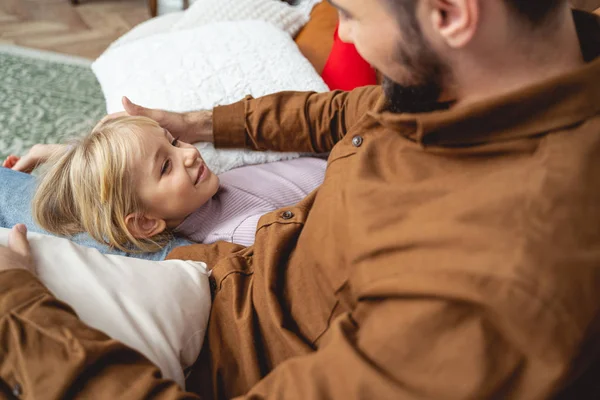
165	167
175	142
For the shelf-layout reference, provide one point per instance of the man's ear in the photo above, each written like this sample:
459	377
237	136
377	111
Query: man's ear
142	226
455	20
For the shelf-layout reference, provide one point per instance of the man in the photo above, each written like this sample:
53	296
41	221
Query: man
452	252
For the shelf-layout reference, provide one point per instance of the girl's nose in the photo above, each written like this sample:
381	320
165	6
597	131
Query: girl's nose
190	156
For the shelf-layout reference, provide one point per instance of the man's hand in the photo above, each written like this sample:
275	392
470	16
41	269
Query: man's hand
18	253
190	127
37	155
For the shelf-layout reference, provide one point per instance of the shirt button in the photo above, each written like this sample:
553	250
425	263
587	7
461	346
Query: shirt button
357	141
287	215
17	390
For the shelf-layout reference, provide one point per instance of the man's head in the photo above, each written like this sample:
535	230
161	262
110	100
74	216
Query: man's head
421	45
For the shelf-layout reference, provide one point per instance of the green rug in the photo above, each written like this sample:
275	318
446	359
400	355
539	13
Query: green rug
45	98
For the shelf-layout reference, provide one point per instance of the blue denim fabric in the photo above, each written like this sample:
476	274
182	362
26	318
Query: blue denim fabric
16	192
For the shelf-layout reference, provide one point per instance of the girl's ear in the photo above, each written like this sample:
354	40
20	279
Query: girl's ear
143	226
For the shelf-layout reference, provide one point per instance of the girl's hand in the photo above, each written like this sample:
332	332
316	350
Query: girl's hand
37	155
10	161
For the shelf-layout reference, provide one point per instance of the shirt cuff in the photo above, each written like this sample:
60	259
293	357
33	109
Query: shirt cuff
229	125
18	287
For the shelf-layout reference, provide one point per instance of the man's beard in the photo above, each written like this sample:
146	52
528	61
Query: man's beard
427	72
412	98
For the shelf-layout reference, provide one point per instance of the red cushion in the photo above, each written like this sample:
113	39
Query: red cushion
345	69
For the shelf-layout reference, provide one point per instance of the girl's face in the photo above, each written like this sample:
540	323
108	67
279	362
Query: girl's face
172	180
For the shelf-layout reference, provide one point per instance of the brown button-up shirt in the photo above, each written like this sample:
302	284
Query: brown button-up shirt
447	255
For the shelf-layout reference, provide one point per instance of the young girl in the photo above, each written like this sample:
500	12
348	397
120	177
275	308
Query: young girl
131	185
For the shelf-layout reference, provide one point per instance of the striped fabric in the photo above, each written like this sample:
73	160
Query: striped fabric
246	194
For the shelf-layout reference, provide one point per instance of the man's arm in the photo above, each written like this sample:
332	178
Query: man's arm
46	352
398	349
292	121
286	121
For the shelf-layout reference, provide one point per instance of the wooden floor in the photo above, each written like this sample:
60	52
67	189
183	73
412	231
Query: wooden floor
84	30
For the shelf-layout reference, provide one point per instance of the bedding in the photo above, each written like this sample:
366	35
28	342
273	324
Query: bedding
306	6
204	67
203	12
161	24
159	308
315	40
345	69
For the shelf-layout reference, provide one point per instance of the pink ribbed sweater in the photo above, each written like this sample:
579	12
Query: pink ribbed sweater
246	194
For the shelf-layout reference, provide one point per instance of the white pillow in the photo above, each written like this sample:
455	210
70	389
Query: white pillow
306	6
276	12
159	308
160	24
204	67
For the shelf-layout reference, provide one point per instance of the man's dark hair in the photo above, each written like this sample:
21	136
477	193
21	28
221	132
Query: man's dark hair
533	11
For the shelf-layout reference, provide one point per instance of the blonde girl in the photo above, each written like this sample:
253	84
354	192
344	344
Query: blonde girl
131	185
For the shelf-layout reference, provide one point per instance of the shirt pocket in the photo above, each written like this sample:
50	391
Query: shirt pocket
353	140
341	150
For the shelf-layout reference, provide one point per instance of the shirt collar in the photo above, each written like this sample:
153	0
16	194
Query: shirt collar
550	105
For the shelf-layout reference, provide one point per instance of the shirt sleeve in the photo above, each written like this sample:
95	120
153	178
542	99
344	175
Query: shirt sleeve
292	121
400	349
46	352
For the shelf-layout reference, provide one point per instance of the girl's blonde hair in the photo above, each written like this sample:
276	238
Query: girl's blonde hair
89	187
